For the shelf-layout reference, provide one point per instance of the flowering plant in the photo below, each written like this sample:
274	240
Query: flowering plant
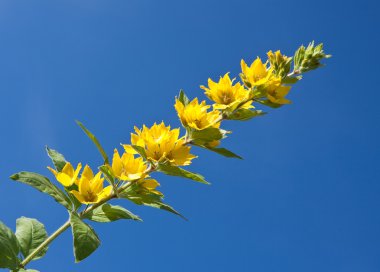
158	148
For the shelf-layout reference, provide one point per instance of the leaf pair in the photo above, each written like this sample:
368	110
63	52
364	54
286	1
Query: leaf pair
30	234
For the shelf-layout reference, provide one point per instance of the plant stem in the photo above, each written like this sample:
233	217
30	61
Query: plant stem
66	225
50	239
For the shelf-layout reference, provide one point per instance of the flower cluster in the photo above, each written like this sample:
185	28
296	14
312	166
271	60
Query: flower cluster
160	147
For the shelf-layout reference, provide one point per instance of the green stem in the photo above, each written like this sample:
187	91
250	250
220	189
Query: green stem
66	225
50	239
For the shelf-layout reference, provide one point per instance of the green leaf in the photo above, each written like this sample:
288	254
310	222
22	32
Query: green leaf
205	136
108	213
183	98
245	114
44	185
179	172
105	169
9	248
141	196
28	270
269	103
85	239
224	152
291	80
30	234
140	150
95	141
58	159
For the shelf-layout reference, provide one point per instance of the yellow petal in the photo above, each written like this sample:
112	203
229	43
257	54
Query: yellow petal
68	169
84	186
96	186
117	166
129	149
52	170
105	193
87	172
79	197
76	173
64	179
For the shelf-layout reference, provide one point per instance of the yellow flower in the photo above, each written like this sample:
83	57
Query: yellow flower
150	185
256	74
161	144
127	167
90	187
225	94
195	115
68	176
276	92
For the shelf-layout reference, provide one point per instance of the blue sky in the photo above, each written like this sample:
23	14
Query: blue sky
306	196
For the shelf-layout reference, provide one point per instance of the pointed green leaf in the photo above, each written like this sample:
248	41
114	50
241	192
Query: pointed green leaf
95	141
244	114
105	169
108	213
140	150
30	234
85	239
269	103
179	172
9	248
183	98
141	196
58	159
224	152
44	185
206	135
291	80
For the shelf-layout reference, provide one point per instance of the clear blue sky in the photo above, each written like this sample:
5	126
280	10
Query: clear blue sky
306	197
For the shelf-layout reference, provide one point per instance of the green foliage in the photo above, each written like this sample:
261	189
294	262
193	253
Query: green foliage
30	234
244	114
140	150
106	170
27	270
141	196
309	58
291	80
108	213
44	185
85	239
222	151
9	248
183	98
95	141
172	170
57	158
270	104
205	136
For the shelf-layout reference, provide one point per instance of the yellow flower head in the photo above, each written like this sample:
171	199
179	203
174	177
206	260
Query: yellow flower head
256	74
161	144
127	167
225	94
195	115
276	92
150	185
90	187
68	176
